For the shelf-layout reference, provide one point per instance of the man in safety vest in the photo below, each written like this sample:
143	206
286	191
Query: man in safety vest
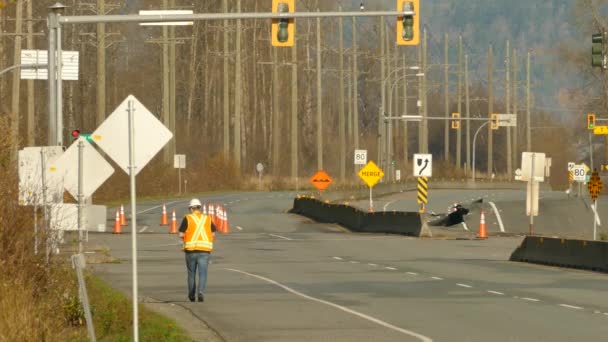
197	230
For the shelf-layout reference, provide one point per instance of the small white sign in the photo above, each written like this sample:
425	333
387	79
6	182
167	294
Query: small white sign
533	158
507	120
398	175
423	165
69	66
259	167
30	176
360	157
579	173
571	166
179	161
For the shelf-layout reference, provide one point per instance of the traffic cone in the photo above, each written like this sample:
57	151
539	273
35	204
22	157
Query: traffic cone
123	219
225	221
117	224
173	229
482	227
204	209
163	217
219	223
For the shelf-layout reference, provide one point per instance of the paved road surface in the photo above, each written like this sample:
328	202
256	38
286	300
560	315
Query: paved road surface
280	277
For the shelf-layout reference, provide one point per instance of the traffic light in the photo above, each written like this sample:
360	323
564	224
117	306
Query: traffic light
590	121
408	25
494	121
598	57
283	30
455	120
75	134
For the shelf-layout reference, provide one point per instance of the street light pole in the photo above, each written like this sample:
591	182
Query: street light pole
474	139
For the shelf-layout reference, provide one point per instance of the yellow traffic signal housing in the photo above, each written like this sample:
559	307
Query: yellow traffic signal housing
455	120
494	121
283	30
408	26
590	121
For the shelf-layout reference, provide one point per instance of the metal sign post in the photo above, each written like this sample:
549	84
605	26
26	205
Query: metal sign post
80	193
132	172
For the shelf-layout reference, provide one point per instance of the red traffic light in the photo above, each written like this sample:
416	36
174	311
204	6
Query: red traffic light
75	133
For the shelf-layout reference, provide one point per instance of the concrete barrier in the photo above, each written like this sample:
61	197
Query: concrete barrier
354	219
581	254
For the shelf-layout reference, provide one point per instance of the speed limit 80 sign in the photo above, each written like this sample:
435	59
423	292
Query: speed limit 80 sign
360	157
579	173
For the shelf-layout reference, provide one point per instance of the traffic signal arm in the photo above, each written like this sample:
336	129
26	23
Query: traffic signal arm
408	26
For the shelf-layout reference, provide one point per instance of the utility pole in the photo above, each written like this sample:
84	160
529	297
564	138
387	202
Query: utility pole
508	100
446	93
275	113
226	85
490	109
515	109
319	99
405	128
342	122
528	131
238	93
419	102
166	115
15	113
382	93
294	114
467	112
355	87
388	128
31	120
172	92
459	91
101	65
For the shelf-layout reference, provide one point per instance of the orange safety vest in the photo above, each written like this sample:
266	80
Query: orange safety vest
198	236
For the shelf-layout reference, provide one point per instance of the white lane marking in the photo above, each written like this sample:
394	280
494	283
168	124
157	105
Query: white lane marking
143	229
281	237
239	227
387	204
496	293
500	225
159	206
391	268
412	273
464	285
464	225
339	307
373	265
571	306
338	258
436	278
530	299
354	262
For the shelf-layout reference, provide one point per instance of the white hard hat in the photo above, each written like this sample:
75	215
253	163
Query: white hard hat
194	203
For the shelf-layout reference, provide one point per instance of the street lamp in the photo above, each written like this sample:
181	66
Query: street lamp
474	139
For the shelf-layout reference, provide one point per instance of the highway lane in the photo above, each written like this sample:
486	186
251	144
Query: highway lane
284	278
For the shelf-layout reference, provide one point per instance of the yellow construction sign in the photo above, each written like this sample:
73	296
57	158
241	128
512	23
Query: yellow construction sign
371	174
600	130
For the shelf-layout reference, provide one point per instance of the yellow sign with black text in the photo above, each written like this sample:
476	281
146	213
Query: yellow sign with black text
371	174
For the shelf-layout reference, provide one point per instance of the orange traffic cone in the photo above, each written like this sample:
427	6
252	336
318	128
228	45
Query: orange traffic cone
482	227
123	219
225	221
204	209
163	217
219	222
117	224
173	229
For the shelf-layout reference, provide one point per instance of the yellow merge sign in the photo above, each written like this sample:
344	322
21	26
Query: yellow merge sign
371	174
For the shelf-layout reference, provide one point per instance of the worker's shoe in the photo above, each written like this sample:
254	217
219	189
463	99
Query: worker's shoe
192	299
201	298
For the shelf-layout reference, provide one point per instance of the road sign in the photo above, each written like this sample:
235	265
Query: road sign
398	175
371	174
600	130
538	159
595	185
96	170
259	167
360	157
571	166
69	66
507	120
548	163
518	174
321	180
570	177
587	169
150	135
423	190
179	161
423	165
30	176
579	174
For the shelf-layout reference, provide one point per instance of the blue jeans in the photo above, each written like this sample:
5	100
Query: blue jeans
197	260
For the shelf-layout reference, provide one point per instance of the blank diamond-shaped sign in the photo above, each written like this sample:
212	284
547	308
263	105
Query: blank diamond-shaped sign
113	135
96	170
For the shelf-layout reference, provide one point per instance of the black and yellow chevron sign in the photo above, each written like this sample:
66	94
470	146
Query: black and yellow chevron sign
423	190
